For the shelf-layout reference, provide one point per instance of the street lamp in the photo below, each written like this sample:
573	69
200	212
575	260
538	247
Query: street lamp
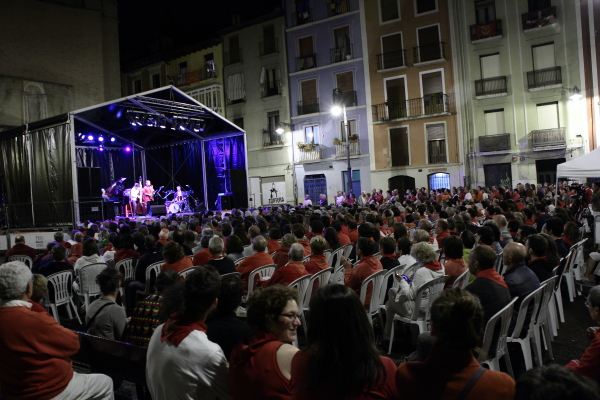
339	107
576	94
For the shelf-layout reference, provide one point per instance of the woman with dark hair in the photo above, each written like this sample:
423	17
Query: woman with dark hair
126	249
235	248
241	233
326	369
332	238
454	265
457	329
273	241
175	258
260	366
91	254
105	317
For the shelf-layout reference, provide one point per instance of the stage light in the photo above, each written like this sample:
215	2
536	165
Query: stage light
90	137
198	125
162	122
119	114
112	139
100	139
127	149
101	148
151	121
131	118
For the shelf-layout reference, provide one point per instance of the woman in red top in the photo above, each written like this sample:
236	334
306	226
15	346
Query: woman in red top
273	242
175	258
260	366
326	369
455	265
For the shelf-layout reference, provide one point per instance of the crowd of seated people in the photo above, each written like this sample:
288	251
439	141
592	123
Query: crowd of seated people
191	329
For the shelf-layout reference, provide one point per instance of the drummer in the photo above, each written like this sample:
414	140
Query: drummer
179	195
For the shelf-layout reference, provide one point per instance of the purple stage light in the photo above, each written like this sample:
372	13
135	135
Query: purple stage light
90	137
101	148
112	139
100	139
128	149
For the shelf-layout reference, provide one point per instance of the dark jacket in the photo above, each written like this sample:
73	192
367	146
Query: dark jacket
542	267
562	247
145	261
520	281
226	330
493	296
224	265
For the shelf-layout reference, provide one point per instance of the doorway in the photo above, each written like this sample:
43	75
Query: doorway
498	174
439	180
546	170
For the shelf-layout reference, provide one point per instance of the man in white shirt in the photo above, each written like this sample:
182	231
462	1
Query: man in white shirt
339	199
307	201
182	362
134	197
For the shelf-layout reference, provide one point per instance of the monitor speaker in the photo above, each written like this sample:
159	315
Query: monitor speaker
157	209
225	200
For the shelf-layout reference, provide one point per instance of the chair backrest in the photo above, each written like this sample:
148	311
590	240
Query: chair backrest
504	316
272	255
462	281
377	256
570	263
24	259
549	285
185	272
327	253
389	274
323	279
409	270
301	285
305	259
231	274
262	272
127	268
151	273
536	298
499	265
432	289
110	263
238	261
336	258
337	275
375	280
347	250
87	278
62	284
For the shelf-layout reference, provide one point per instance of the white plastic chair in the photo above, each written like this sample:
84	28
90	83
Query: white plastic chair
62	283
185	272
568	274
231	274
127	269
499	265
272	255
491	357
323	279
377	256
24	259
327	253
375	280
558	292
347	249
238	261
301	285
389	274
421	317
462	281
305	259
410	270
337	276
152	269
87	281
542	324
520	327
262	272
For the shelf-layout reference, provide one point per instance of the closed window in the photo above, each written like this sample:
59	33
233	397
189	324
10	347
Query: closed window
390	10
436	143
399	147
310	102
391	47
425	6
485	11
155	81
273	118
547	115
239	122
429	44
490	66
137	86
543	56
311	134
494	122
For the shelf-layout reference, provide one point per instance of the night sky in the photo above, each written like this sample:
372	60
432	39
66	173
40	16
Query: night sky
148	27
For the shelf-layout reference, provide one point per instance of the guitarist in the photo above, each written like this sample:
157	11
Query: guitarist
148	193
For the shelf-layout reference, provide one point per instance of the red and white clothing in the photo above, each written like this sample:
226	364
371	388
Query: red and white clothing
353	278
316	263
251	263
286	274
589	364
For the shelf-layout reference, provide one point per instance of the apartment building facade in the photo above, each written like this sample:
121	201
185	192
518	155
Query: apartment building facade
257	100
521	65
325	52
415	141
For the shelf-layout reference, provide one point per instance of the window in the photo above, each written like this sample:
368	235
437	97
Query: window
137	86
429	48
269	82
351	129
342	48
273	119
269	43
433	92
425	6
538	5
311	134
543	56
210	68
155	81
436	143
234	50
390	10
239	122
303	12
399	147
485	11
395	92
490	66
345	81
439	180
307	57
391	47
547	115
310	102
494	122
236	91
183	68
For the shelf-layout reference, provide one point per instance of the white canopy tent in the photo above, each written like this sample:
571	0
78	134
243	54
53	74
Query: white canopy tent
587	166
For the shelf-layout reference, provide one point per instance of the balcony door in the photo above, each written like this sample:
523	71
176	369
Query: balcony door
399	147
547	116
543	56
429	44
391	48
310	102
490	66
432	84
342	49
485	11
306	50
395	97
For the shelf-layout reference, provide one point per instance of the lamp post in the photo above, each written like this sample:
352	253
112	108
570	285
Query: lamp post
339	106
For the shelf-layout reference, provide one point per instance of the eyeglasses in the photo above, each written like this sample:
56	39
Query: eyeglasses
291	316
587	304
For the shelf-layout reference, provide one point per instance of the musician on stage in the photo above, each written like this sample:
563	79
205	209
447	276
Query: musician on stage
178	194
148	193
134	196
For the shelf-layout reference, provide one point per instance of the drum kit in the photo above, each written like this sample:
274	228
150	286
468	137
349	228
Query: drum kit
179	203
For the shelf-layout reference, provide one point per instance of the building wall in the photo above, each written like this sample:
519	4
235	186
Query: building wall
515	47
329	162
268	163
408	22
72	50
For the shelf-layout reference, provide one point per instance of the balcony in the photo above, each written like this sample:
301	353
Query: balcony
544	79
484	32
269	89
414	108
539	19
429	53
232	57
399	157
311	152
437	152
494	142
392	59
491	87
302	18
349	98
341	150
268	47
338	7
306	62
308	106
272	139
342	53
548	139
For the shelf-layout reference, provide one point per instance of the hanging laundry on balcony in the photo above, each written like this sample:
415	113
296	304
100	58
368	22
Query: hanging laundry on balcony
485	31
235	87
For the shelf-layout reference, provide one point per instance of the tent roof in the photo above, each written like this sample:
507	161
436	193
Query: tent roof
109	119
587	166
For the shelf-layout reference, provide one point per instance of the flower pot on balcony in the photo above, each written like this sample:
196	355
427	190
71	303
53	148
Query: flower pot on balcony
337	141
353	138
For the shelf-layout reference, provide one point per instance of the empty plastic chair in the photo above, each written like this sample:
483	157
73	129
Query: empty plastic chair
61	283
491	356
87	281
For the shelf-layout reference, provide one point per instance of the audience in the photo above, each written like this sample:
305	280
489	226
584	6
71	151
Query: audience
541	265
589	364
235	248
554	382
20	249
281	256
125	249
258	259
293	270
317	261
367	265
105	317
454	266
58	264
175	258
38	294
218	260
387	246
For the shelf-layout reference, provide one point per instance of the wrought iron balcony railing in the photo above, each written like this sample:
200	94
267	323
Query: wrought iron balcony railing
429	52
413	108
341	150
400	157
270	89
301	18
341	53
490	86
485	31
494	142
308	106
548	139
539	19
306	62
544	77
337	7
392	59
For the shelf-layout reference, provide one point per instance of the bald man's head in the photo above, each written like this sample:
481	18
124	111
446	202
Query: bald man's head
513	254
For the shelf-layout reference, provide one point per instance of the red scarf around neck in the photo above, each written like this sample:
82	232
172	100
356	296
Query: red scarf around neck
434	266
491	274
182	327
390	256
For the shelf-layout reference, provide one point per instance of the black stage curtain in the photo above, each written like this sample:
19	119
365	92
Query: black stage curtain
36	176
222	155
114	164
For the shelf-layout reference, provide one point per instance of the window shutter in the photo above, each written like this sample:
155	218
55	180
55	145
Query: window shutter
389	10
309	89
436	132
345	81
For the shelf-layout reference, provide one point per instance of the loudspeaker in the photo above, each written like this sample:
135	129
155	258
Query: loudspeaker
88	182
157	209
225	201
240	188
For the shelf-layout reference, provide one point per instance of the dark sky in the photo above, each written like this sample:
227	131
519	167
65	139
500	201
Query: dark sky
149	26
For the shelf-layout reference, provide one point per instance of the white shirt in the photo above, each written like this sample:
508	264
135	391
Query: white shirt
135	192
196	369
339	200
468	196
87	260
308	202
